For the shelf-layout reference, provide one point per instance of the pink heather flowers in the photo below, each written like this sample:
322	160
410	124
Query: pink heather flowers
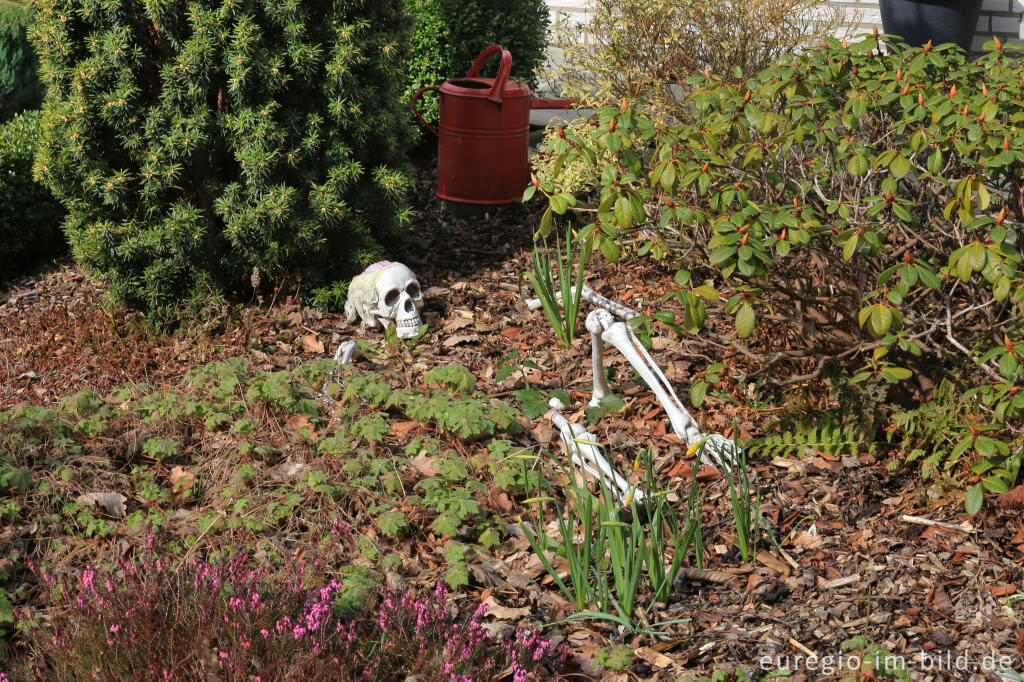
149	617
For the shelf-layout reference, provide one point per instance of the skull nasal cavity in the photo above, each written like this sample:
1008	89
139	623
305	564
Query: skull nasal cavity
391	297
408	305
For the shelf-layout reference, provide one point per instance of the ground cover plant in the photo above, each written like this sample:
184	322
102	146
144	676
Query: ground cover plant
214	152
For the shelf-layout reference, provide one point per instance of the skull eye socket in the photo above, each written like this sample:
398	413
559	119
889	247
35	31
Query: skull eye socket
413	289
391	297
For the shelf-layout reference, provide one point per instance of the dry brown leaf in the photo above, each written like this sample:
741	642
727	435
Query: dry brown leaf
1013	499
500	630
545	435
499	500
940	600
456	340
804	540
535	567
496	610
425	466
772	563
112	503
297	422
181	480
312	344
402	429
457	323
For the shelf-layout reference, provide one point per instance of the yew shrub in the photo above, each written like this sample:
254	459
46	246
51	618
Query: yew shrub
206	149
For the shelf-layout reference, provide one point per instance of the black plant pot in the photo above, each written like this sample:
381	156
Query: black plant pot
940	21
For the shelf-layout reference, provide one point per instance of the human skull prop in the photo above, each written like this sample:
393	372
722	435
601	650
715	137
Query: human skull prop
386	293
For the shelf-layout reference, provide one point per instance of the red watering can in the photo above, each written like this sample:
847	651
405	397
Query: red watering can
483	142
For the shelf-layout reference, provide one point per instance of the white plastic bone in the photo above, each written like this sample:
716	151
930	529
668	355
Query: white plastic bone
582	447
717	450
588	294
597	322
347	351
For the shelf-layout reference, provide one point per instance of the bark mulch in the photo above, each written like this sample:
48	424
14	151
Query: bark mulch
863	551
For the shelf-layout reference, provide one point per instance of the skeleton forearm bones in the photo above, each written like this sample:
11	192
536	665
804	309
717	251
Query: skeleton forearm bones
604	328
588	294
582	447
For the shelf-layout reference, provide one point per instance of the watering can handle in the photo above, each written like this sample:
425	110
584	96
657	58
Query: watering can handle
498	90
416	111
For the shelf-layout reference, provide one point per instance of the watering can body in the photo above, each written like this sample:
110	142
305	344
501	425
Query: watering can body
483	135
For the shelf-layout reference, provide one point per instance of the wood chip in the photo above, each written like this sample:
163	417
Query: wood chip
652	657
964	527
839	582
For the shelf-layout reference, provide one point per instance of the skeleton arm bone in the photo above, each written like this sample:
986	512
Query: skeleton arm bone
717	450
622	310
596	323
622	337
582	448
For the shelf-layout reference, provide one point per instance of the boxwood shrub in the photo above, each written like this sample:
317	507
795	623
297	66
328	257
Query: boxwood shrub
30	217
207	149
20	87
449	35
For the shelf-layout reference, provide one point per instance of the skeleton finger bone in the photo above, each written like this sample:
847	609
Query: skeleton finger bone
582	447
347	351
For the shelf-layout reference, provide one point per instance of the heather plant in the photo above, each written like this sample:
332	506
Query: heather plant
29	215
154	618
162	619
20	87
224	149
448	36
867	203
